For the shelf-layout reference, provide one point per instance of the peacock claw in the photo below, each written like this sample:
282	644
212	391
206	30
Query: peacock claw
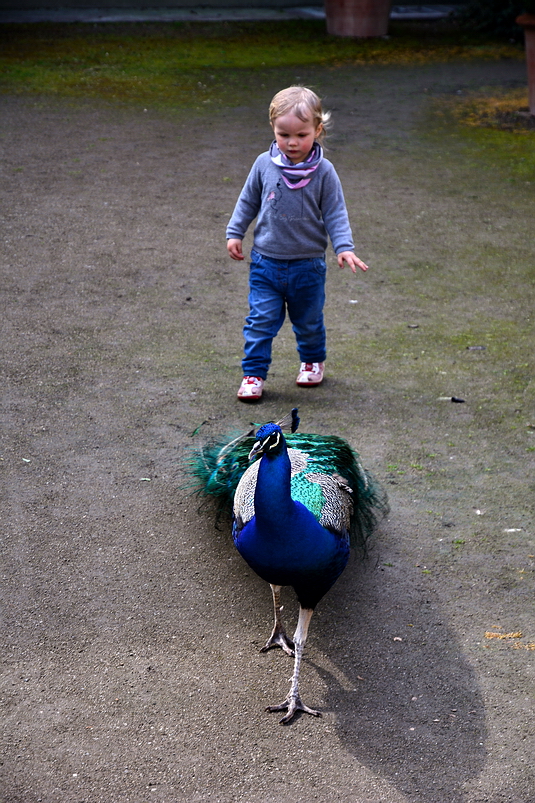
279	639
293	705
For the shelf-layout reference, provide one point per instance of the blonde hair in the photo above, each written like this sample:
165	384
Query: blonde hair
304	103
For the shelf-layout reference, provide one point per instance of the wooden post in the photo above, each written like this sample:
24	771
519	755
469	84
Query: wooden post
528	23
357	17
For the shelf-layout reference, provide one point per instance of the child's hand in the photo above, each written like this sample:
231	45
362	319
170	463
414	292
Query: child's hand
234	249
352	260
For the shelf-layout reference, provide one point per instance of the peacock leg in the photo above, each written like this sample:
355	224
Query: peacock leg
293	702
278	637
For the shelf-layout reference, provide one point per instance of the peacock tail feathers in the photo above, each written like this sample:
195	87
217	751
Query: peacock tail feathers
327	477
219	466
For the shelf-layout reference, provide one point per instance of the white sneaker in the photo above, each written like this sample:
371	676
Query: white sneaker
310	373
251	388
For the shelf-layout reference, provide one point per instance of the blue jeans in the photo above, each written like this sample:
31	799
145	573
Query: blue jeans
276	285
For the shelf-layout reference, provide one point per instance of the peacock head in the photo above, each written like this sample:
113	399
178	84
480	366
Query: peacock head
269	441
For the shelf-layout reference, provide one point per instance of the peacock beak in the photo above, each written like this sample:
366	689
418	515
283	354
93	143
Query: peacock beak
257	449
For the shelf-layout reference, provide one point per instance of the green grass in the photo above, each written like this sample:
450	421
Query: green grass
510	154
190	64
474	122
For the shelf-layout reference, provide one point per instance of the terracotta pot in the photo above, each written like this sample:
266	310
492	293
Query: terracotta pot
528	23
357	17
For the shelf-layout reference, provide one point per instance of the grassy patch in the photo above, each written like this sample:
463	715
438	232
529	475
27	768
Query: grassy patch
500	110
187	64
507	153
492	127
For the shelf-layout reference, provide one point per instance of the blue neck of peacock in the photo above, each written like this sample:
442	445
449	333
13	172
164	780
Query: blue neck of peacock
273	500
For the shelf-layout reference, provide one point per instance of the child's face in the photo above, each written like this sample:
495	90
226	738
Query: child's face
294	136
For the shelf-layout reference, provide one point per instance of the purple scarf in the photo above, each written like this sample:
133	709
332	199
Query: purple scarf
296	176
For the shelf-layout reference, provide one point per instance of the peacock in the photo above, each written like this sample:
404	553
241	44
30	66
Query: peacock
295	512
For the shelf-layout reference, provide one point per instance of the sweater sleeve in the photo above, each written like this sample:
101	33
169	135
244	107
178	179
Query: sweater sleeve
247	205
334	212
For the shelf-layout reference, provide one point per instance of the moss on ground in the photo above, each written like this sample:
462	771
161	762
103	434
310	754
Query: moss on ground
190	64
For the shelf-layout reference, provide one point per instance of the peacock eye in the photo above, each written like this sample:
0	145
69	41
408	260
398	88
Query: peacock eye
275	443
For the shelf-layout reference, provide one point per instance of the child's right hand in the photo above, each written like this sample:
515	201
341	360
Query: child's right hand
234	249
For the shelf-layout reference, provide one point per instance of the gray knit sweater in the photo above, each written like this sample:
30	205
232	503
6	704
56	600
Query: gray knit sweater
292	224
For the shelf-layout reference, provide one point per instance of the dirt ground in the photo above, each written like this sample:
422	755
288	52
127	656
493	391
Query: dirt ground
131	635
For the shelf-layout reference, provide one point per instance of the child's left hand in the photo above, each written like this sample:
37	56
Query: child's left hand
352	260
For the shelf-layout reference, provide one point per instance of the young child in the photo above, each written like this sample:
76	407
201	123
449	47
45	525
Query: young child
297	198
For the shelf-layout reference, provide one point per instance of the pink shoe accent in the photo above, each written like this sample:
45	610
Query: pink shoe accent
310	373
251	388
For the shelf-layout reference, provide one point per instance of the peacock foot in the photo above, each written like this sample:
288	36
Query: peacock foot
293	704
279	639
